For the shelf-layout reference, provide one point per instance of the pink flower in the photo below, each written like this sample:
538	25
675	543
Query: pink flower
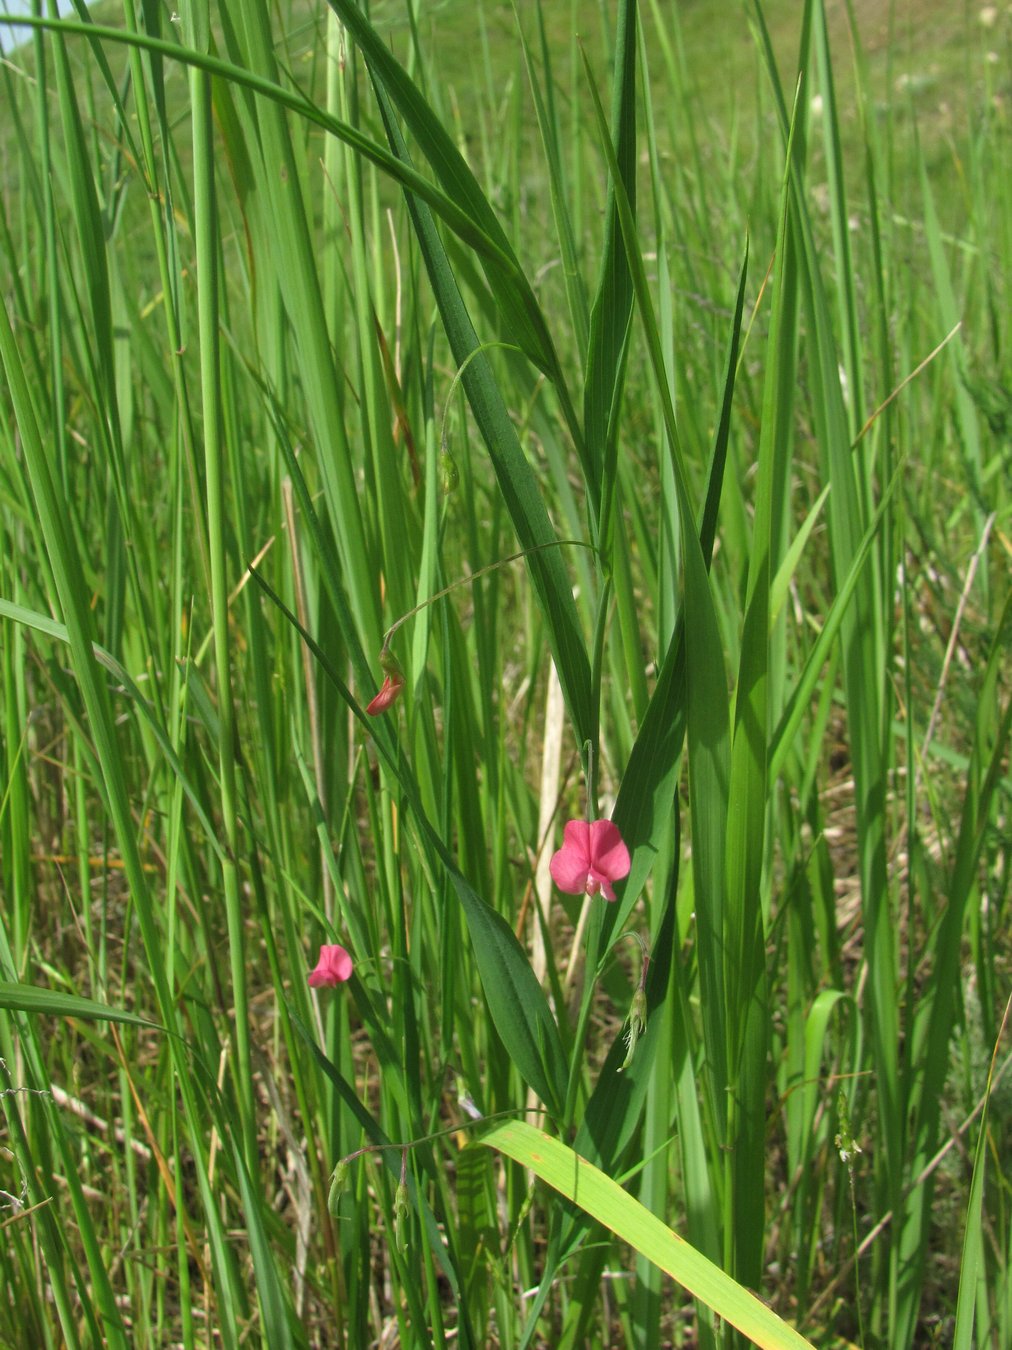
389	693
333	967
392	685
592	856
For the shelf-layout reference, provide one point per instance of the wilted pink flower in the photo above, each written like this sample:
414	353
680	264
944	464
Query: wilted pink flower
333	967
393	683
592	856
389	693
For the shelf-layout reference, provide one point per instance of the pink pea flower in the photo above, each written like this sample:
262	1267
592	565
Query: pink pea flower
393	683
592	856
389	693
333	967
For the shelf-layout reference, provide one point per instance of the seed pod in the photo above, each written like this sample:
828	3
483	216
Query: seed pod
338	1186
449	476
402	1209
635	1025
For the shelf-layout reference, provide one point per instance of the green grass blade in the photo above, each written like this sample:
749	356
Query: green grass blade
32	998
972	1262
521	311
517	483
516	1001
548	128
707	705
611	312
643	807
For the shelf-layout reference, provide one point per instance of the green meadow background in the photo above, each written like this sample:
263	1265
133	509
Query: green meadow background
652	363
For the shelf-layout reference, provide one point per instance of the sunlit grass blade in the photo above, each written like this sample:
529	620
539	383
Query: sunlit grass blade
606	1201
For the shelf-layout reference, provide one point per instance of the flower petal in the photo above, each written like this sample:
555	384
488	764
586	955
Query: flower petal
334	967
602	884
389	692
340	962
609	857
571	863
569	872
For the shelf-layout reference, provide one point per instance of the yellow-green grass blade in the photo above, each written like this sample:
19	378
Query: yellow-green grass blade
605	1200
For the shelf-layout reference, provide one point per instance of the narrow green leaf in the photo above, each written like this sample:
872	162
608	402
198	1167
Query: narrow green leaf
516	1000
707	718
616	1104
43	624
516	479
31	998
611	313
643	809
230	73
521	311
972	1262
276	1319
388	1151
548	127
